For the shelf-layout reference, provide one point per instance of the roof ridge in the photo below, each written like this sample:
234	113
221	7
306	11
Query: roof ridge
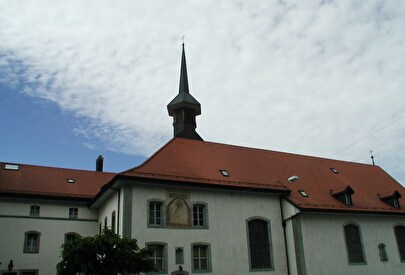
148	159
292	154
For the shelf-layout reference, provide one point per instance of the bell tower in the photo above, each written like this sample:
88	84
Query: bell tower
184	107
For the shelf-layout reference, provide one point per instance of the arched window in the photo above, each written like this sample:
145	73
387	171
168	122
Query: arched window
400	235
31	242
259	244
113	217
105	223
353	244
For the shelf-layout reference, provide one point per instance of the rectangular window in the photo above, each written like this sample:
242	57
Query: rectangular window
198	215
31	242
179	255
73	213
34	212
155	213
201	258
158	256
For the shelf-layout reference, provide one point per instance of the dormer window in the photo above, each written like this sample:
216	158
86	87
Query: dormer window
391	198
344	195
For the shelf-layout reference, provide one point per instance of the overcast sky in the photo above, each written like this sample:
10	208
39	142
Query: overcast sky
321	78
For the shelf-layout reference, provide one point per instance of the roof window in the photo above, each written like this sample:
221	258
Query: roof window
391	198
224	172
334	170
303	193
10	166
343	195
70	180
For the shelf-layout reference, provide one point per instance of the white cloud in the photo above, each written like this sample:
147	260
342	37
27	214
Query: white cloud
303	76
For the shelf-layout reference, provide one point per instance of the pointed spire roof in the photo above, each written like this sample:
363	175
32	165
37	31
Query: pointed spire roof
184	99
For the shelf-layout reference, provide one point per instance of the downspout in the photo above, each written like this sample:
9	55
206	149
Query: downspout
283	223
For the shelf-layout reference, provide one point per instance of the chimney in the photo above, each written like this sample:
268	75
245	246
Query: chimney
99	163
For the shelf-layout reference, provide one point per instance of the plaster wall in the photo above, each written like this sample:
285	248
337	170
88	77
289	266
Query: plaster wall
52	224
227	231
107	209
325	248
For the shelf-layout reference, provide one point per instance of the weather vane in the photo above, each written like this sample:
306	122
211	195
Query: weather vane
372	157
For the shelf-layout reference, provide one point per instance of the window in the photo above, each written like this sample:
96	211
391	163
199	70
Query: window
348	199
382	252
105	222
73	213
113	221
10	166
34	212
303	193
259	244
224	172
344	195
391	198
158	256
100	228
400	235
179	255
200	215
71	237
353	244
334	170
200	257
155	213
31	242
29	272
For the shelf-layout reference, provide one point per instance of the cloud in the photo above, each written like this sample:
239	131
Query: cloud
301	76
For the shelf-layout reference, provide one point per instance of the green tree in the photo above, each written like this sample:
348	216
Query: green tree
104	254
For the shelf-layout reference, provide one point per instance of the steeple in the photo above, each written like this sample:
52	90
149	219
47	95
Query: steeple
184	107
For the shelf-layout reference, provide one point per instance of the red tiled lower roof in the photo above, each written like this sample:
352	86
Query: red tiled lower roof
51	182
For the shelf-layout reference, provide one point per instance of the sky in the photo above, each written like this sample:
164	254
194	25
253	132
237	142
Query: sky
84	78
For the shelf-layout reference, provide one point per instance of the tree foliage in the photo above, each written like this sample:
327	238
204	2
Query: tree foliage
104	254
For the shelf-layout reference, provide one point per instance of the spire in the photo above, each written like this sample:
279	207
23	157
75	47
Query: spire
183	87
184	107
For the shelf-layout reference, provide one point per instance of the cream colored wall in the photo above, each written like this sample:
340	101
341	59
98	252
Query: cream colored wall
52	224
227	233
325	248
107	208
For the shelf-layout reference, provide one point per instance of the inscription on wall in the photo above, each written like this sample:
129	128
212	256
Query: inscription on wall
178	209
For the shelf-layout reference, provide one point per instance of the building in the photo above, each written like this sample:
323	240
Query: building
211	208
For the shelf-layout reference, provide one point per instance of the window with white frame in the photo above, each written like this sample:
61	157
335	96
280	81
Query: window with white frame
200	218
73	213
201	258
155	213
354	245
34	211
31	242
158	256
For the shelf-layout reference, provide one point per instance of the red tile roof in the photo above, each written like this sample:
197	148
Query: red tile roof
200	162
52	182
